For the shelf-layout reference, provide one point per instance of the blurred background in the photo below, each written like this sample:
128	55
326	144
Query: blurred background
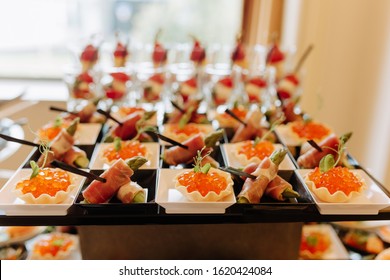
345	81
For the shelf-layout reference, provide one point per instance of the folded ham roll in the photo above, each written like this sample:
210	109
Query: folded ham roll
312	157
251	129
277	187
177	155
128	129
128	192
253	190
72	157
117	175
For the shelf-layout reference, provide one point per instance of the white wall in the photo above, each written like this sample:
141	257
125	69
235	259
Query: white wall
347	77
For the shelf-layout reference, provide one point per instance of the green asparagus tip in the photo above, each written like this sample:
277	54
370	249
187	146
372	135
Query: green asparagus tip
136	162
345	137
139	197
278	156
212	139
81	162
108	139
242	200
289	193
73	127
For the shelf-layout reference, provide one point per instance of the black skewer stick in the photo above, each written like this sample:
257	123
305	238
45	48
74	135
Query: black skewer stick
53	108
234	116
75	170
20	141
237	172
167	139
314	145
178	107
108	115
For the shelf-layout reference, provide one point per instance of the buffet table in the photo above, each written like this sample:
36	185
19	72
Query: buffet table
260	231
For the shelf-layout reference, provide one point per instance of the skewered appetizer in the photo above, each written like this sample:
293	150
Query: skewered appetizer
178	155
121	54
187	114
188	89
363	241
54	246
311	156
123	150
255	88
131	193
204	183
238	54
198	53
50	130
83	87
62	148
253	189
87	114
117	176
314	244
226	120
153	88
222	91
89	57
332	183
117	88
159	55
45	186
276	59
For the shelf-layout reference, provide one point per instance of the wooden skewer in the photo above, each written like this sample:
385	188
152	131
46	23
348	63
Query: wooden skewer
169	140
314	145
20	141
237	172
66	167
234	116
178	107
53	108
108	115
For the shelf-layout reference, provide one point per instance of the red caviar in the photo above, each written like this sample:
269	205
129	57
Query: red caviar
203	183
261	150
52	244
310	130
315	242
240	113
188	129
48	181
50	131
336	179
128	149
129	110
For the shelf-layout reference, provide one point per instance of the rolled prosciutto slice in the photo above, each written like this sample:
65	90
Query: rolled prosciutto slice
131	193
128	129
253	189
312	157
117	175
280	189
76	157
251	129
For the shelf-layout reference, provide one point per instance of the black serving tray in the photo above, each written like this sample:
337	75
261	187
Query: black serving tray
304	202
146	178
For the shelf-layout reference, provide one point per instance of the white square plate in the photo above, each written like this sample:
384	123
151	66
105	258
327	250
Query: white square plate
336	250
11	205
174	202
287	137
98	162
230	158
369	202
87	133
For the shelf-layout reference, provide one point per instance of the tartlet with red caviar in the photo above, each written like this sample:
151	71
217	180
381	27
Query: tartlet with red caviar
204	183
253	151
54	246
123	150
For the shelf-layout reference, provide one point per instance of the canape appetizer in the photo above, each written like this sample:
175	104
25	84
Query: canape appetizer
117	89
159	55
188	89
276	59
302	131
83	87
178	155
123	150
364	241
332	183
253	150
121	54
50	130
255	88
198	53
131	193
180	132
222	91
226	120
153	88
253	189
89	57
117	175
54	246
314	244
204	183
311	156
45	186
188	113
238	54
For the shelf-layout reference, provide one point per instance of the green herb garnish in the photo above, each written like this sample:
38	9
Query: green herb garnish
57	122
328	161
198	162
117	144
35	169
